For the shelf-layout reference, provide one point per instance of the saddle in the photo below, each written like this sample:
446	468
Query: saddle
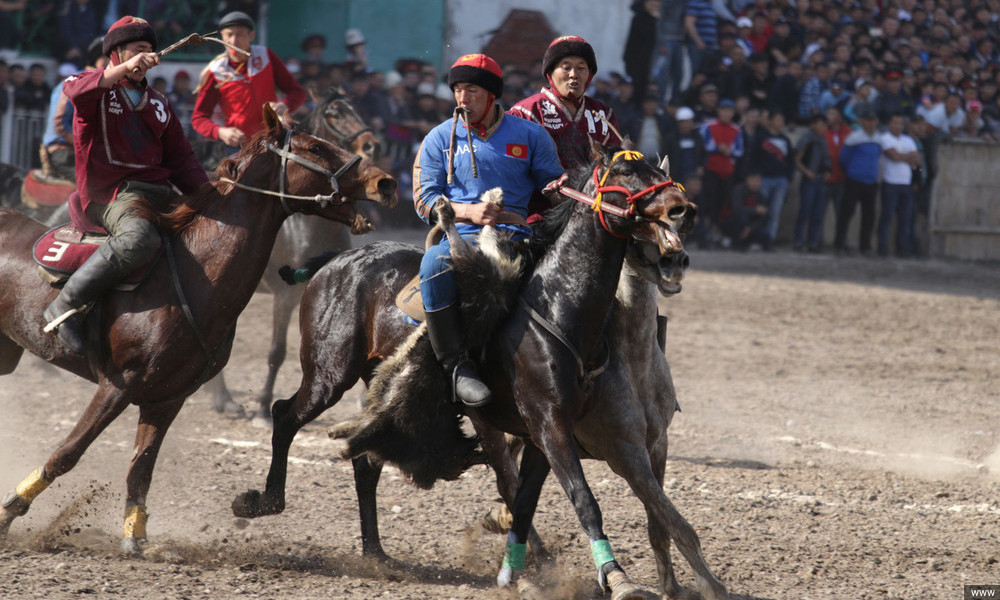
40	189
63	249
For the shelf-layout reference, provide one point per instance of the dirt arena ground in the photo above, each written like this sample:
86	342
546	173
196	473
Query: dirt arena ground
838	440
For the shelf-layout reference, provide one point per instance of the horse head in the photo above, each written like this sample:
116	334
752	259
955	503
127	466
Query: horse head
314	176
645	259
649	207
336	120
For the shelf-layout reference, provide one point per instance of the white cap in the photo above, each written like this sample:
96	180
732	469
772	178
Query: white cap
426	88
443	92
684	113
744	22
67	68
353	37
392	79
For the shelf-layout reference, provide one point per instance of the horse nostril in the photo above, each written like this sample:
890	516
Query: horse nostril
676	213
387	188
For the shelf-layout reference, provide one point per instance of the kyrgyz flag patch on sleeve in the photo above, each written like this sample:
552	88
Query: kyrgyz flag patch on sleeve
517	150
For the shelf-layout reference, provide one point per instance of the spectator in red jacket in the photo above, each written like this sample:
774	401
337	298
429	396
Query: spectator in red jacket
240	85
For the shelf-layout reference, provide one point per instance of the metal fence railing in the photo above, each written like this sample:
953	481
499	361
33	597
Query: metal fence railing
21	134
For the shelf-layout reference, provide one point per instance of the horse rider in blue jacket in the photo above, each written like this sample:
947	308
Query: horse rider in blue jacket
479	149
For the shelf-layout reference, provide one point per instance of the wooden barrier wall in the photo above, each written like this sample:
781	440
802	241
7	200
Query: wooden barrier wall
964	220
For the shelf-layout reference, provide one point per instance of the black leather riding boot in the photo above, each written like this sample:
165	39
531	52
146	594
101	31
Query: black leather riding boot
444	329
96	276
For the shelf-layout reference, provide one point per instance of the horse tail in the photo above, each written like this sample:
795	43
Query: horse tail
313	265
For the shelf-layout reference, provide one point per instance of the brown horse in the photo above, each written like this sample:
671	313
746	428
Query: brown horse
301	237
155	347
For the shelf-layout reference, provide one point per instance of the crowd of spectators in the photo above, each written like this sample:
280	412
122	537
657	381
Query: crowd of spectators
736	92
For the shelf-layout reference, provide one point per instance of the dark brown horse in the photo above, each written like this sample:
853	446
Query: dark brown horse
544	391
151	353
301	237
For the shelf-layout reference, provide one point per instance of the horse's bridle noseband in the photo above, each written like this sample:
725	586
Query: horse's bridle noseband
324	200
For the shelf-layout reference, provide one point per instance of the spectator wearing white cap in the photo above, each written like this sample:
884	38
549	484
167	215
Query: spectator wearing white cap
686	148
357	54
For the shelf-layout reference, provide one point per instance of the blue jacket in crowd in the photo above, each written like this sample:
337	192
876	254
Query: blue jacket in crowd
859	156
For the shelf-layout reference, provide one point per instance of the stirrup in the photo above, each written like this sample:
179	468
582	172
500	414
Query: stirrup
56	322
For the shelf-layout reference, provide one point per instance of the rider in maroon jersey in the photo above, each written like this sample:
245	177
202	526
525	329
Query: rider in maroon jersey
570	116
130	149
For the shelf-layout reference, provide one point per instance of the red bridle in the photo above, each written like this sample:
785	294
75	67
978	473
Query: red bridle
596	202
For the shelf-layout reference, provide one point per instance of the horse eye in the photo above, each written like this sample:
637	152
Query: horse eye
315	149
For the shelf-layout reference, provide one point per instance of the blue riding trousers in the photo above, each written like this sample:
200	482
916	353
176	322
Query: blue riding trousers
437	281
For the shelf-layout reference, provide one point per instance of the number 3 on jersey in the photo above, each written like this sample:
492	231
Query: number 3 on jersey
161	111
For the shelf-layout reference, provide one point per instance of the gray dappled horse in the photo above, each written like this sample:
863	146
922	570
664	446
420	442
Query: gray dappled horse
300	238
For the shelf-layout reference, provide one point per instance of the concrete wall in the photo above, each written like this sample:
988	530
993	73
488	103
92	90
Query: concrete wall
469	25
965	208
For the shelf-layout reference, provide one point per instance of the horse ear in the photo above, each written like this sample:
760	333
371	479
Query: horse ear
665	165
314	95
627	144
595	151
271	120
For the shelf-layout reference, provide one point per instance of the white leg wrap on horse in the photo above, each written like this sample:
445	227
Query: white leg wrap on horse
135	521
33	485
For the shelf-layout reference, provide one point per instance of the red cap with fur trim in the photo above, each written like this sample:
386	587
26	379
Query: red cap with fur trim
128	29
477	69
568	45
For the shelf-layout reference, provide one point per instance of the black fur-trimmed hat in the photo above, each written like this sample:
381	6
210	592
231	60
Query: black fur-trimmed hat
478	69
568	45
128	29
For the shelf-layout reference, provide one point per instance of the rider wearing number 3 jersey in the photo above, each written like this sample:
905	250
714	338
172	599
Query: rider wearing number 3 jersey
130	149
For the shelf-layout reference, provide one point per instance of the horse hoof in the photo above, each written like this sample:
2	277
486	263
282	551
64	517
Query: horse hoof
622	588
250	505
131	547
529	591
262	422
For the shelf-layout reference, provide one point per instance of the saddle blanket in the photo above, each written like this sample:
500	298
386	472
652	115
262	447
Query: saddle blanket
40	190
62	250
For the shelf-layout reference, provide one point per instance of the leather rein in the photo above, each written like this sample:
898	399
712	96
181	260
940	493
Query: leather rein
286	155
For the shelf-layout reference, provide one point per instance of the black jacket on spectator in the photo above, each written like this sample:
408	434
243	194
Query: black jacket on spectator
758	90
784	97
639	49
687	154
887	104
32	97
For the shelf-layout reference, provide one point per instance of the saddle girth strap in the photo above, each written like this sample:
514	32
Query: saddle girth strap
186	309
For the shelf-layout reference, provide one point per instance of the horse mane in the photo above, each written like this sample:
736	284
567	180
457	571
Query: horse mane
545	232
182	215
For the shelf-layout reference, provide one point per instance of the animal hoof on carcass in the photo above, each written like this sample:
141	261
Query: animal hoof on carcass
498	520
